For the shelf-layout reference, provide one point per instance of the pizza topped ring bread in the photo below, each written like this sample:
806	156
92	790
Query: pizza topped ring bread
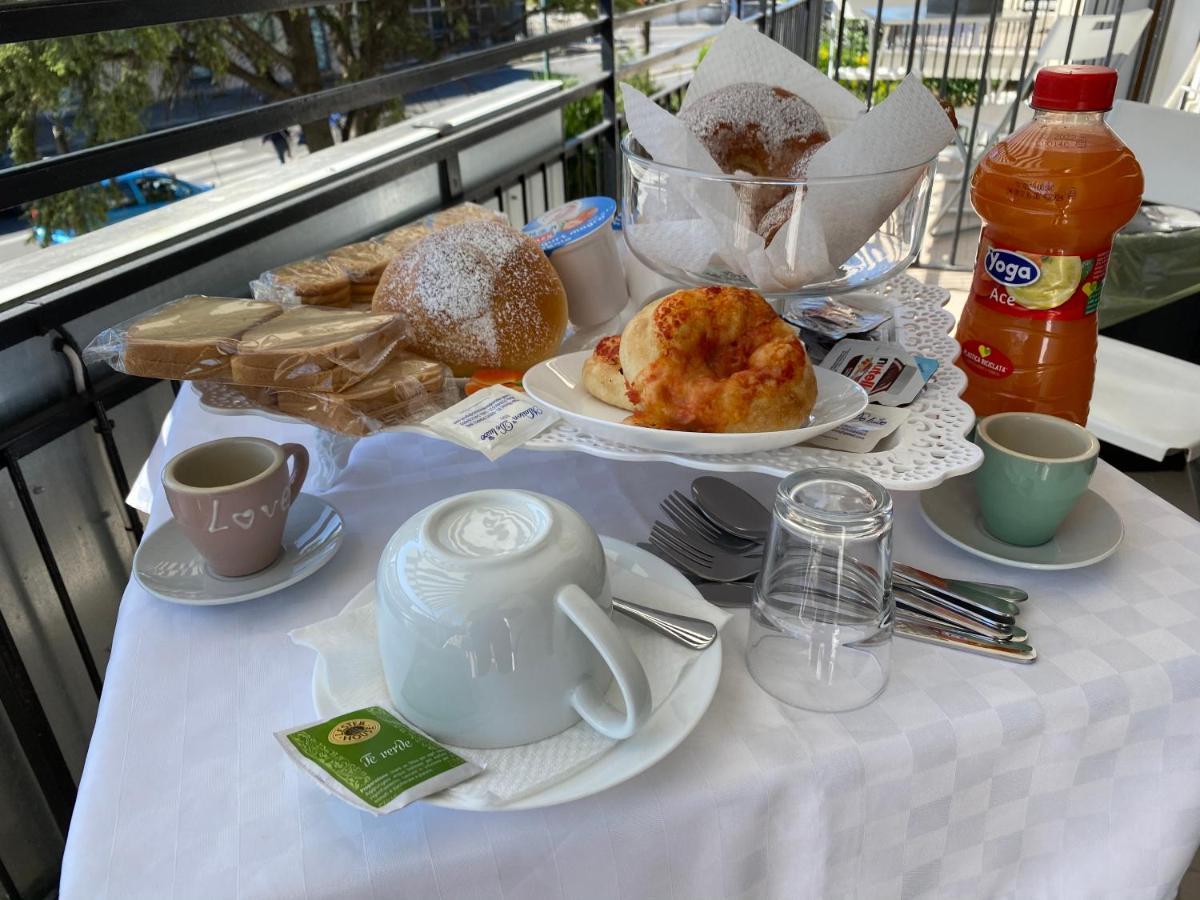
713	359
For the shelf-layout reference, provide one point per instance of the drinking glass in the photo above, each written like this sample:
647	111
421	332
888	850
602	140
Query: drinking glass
821	621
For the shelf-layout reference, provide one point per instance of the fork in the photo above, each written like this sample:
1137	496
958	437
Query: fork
684	512
691	539
700	561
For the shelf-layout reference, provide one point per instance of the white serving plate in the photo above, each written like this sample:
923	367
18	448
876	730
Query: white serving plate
926	450
558	384
665	730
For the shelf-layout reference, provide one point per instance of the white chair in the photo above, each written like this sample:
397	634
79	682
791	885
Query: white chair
1147	402
1165	141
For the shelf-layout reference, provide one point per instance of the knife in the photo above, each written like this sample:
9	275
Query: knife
948	615
1003	611
978	589
1013	651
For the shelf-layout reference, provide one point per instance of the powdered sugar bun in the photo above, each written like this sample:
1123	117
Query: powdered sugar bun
477	295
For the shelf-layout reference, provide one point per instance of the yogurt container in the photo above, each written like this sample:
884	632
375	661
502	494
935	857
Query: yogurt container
578	238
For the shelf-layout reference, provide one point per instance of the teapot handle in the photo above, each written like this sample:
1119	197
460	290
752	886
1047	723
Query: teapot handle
598	628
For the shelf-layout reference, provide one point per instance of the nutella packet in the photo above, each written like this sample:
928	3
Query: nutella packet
493	421
831	319
890	374
372	760
864	432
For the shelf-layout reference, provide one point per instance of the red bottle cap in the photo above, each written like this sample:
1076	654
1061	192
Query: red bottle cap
1075	88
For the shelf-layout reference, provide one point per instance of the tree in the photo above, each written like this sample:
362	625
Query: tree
91	89
97	88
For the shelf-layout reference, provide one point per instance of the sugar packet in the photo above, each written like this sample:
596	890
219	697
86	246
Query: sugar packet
890	374
864	432
373	761
493	421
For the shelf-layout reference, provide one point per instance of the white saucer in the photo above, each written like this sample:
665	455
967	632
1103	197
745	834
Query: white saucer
1091	532
169	567
558	383
662	733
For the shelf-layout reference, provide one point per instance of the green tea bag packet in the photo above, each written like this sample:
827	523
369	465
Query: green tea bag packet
372	760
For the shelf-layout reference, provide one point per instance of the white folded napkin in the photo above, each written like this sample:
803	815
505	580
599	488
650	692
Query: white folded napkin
350	676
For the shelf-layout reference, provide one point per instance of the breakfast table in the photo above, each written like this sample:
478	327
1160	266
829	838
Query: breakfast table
1076	776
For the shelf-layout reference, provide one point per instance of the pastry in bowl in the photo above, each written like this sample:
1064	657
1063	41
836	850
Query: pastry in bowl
478	295
713	359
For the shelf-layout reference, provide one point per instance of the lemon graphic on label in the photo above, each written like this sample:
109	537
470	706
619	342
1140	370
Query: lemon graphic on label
1060	277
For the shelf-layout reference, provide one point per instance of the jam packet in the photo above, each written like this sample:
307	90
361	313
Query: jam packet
890	374
831	319
493	421
864	432
374	761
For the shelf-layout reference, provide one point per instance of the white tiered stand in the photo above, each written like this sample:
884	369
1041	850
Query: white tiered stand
929	447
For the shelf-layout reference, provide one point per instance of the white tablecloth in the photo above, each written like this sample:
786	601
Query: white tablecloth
1078	776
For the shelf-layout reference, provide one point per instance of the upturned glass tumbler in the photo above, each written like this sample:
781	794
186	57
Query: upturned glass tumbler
821	622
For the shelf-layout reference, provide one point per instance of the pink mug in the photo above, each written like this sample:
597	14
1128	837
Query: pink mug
231	498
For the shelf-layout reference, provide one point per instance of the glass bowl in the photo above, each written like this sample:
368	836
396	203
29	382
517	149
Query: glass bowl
697	228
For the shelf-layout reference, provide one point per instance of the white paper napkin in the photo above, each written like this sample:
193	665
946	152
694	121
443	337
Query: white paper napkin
353	675
699	225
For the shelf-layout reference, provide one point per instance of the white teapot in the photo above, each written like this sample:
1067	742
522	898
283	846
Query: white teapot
494	623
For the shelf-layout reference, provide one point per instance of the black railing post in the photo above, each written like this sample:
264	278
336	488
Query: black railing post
1071	34
19	699
980	91
877	36
450	185
1112	38
69	347
949	43
1148	59
837	51
912	38
25	498
1012	125
7	885
610	147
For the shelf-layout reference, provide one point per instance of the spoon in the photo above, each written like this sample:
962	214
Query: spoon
731	508
741	514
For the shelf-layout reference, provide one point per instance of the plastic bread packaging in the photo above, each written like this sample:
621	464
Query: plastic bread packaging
464	212
406	235
310	348
191	338
307	282
363	263
405	391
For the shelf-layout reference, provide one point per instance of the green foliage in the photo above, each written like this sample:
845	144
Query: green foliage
93	89
856	54
96	88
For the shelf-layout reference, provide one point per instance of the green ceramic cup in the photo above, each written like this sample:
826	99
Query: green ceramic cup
1035	469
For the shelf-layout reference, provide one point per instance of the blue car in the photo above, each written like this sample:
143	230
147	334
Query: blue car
140	192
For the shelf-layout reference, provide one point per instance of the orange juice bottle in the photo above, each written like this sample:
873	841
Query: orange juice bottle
1051	197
